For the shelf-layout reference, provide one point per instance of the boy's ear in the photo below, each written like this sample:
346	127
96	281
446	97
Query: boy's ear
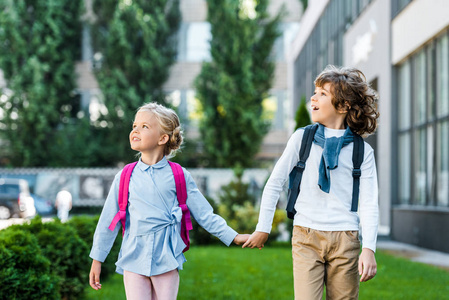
163	139
345	108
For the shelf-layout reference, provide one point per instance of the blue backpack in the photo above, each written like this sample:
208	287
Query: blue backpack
296	174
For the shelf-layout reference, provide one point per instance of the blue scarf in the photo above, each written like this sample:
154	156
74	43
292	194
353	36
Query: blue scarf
331	150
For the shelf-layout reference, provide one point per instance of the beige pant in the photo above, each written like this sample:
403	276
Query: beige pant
325	258
162	287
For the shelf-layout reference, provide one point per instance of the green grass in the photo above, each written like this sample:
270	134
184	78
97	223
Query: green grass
217	272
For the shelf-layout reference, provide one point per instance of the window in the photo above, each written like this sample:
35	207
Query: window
443	164
419	159
405	171
194	42
419	84
443	78
423	126
404	96
398	5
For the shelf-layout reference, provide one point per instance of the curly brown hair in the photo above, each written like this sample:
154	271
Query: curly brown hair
352	93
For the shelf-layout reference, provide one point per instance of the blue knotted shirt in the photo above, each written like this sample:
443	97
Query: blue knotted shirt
152	243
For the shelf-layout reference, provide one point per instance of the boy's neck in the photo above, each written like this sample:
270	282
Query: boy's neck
335	124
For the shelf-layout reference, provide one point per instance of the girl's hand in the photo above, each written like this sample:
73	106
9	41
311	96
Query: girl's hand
367	265
241	238
94	276
256	240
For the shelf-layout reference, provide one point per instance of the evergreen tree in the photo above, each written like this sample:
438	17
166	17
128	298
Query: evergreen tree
232	86
137	42
302	117
39	43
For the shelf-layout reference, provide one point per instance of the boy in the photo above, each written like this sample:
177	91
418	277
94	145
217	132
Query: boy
325	242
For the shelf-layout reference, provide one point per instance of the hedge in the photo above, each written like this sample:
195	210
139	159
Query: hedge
49	260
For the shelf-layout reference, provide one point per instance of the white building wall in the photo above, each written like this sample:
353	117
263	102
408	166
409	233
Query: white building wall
367	47
410	32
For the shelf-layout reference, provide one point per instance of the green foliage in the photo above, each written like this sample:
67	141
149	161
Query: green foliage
85	228
50	260
137	42
66	251
238	207
232	86
304	3
39	44
199	236
190	155
302	117
25	272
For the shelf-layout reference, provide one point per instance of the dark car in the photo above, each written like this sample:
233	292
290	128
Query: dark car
15	199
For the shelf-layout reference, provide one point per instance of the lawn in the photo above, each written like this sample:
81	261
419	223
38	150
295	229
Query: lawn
216	272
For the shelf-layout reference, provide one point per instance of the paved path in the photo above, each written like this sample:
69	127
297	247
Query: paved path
414	253
13	221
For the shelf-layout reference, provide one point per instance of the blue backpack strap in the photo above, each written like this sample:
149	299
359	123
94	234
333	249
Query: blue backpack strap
296	173
357	160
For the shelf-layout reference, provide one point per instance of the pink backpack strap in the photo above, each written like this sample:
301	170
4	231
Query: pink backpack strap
123	197
181	193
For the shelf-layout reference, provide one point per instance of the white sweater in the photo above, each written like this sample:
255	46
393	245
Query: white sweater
325	211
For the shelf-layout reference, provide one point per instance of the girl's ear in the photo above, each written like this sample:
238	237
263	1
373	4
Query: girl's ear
163	139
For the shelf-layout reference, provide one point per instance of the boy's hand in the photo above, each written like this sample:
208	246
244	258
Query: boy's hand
256	240
94	276
241	238
367	265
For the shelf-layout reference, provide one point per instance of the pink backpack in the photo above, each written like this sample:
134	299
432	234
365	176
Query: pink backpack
181	193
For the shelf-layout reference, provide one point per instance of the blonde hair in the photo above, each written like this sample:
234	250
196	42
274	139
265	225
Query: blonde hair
170	125
351	92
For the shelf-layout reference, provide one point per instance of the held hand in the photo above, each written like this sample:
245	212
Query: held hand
256	240
367	265
94	276
241	238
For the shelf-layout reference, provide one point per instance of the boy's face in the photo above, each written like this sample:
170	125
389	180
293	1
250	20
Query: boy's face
146	134
323	111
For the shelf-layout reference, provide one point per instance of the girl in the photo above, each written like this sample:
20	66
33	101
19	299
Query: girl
325	242
151	251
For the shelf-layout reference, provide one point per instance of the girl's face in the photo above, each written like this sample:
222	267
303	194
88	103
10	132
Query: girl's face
323	111
146	134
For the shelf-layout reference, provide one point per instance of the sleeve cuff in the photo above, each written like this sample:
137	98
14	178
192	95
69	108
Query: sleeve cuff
98	254
229	236
263	228
368	246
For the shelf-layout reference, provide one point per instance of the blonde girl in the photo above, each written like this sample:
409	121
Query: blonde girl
151	251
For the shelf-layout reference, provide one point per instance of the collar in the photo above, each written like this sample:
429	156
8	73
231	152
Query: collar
159	165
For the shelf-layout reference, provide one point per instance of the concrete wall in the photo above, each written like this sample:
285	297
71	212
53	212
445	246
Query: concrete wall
90	186
421	227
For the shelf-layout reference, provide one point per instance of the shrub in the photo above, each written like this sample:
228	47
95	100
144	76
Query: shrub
25	272
66	251
85	228
199	235
302	117
238	207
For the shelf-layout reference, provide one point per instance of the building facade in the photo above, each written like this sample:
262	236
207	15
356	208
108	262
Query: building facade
407	63
193	50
